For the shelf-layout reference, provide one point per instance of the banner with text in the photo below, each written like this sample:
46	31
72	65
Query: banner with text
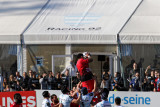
128	99
28	97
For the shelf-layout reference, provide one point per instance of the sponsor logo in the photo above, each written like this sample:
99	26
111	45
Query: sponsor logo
131	100
74	29
81	19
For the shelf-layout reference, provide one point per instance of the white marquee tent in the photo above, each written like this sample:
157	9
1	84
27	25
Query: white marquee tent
15	17
143	27
80	22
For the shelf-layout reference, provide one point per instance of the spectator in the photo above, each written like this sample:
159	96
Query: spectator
71	68
18	77
58	81
118	102
30	73
5	82
118	80
18	100
46	101
134	71
7	89
51	81
152	75
12	83
33	83
158	83
106	82
135	83
25	79
106	66
76	80
104	102
55	102
40	77
156	80
1	83
18	86
151	86
145	85
44	81
67	79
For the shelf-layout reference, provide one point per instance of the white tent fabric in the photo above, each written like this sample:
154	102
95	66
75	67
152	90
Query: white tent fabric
144	26
15	16
80	22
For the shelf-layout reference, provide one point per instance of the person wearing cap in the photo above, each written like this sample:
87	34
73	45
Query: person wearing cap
46	101
104	102
65	99
87	97
118	102
85	73
18	100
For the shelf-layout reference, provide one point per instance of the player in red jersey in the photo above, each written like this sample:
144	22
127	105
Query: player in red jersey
18	100
85	73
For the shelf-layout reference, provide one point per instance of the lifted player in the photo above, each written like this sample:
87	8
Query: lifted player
85	73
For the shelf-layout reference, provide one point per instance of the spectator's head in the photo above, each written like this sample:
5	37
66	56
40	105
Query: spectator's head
152	73
156	73
80	55
30	73
17	98
17	74
84	91
58	75
34	75
5	80
105	93
11	78
67	72
64	89
50	73
137	74
54	98
117	74
24	74
78	75
135	66
46	94
44	74
118	101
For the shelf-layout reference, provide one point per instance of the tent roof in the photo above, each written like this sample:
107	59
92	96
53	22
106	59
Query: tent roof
15	16
143	27
80	22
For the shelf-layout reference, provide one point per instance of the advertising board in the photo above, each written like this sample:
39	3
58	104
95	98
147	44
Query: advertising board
28	97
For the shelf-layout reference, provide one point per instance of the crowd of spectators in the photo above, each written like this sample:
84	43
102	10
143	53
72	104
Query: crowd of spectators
33	81
135	79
